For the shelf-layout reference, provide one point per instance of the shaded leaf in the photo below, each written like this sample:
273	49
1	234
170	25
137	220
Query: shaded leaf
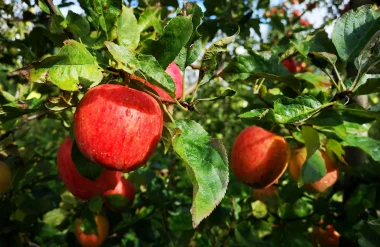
85	167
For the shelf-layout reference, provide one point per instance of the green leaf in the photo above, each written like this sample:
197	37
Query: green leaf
85	167
128	33
151	17
55	217
354	29
73	65
175	36
288	110
255	66
194	52
370	55
311	138
78	24
368	145
103	14
335	147
95	204
209	61
206	165
259	209
43	6
296	110
117	201
144	65
313	170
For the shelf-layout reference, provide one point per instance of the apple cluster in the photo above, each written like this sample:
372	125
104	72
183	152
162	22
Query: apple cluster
118	128
259	158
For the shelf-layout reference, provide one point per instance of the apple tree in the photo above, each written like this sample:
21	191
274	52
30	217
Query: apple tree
205	123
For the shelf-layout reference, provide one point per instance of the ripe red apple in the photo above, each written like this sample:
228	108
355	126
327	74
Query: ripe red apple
93	240
121	197
79	186
325	238
259	157
304	23
118	127
5	178
267	194
290	64
297	13
174	71
298	158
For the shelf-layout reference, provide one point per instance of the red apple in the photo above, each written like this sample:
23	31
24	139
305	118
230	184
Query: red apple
259	157
118	127
297	13
5	178
325	238
121	197
79	186
290	64
298	158
174	71
304	23
93	240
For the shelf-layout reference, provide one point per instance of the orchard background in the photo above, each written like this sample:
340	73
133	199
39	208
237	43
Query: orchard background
244	63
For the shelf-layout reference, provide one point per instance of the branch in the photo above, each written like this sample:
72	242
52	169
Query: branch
51	6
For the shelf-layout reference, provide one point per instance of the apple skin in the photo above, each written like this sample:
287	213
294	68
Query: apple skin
118	127
259	157
93	240
5	178
298	158
290	64
325	238
78	185
124	188
175	73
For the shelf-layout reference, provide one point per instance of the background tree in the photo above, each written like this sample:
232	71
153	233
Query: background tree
244	63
